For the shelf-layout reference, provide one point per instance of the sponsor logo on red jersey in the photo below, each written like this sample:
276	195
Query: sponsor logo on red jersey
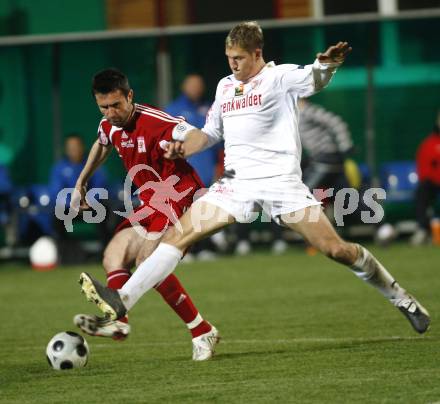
127	143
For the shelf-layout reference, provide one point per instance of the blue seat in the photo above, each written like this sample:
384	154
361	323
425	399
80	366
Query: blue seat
399	179
5	181
365	173
35	211
5	195
40	194
41	209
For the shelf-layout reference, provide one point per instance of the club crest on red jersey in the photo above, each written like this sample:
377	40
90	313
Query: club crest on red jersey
141	144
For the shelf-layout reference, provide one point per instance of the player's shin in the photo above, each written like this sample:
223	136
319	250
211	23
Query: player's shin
369	269
179	300
156	267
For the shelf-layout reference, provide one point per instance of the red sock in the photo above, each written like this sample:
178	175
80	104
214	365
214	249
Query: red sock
178	299
115	280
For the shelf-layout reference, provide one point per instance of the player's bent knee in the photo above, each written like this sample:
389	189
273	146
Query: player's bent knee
141	258
144	253
178	239
111	260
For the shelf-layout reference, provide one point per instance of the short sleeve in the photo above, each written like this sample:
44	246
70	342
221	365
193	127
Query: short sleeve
214	122
103	136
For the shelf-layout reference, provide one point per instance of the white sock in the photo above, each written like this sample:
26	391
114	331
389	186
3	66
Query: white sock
153	270
370	270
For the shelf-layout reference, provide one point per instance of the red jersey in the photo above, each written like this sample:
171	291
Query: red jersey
141	146
428	159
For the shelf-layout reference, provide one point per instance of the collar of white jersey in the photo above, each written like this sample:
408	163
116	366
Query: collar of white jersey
266	66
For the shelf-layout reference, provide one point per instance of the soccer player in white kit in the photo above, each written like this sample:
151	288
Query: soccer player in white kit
255	112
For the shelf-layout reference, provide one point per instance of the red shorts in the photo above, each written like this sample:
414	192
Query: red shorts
156	220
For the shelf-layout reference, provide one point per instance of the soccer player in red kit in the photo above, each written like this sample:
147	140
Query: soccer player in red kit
140	134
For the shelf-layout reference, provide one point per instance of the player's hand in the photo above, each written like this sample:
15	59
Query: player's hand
175	150
335	53
78	202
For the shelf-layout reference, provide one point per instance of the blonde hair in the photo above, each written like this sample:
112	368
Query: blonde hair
248	35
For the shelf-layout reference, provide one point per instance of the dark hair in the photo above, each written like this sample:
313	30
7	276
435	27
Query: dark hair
109	80
247	35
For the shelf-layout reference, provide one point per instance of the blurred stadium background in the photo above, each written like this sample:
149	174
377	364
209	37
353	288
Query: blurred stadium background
315	346
387	91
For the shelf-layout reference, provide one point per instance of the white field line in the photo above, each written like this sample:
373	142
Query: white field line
304	340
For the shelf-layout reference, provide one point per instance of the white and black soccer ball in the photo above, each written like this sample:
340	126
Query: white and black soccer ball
67	350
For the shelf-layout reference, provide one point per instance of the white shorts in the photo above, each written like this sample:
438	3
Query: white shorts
274	196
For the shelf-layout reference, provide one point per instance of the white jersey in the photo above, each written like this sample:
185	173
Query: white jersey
258	120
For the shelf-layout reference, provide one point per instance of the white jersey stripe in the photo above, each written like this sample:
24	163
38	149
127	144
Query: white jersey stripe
112	131
154	110
141	108
159	117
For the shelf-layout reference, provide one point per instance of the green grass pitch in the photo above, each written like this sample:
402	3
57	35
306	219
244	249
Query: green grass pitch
295	328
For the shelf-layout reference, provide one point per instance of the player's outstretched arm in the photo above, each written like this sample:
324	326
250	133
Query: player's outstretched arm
97	155
326	64
193	142
335	54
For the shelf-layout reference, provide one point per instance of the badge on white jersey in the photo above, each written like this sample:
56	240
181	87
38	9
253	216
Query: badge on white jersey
239	90
141	144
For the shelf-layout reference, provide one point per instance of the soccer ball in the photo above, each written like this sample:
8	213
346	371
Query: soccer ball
67	350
